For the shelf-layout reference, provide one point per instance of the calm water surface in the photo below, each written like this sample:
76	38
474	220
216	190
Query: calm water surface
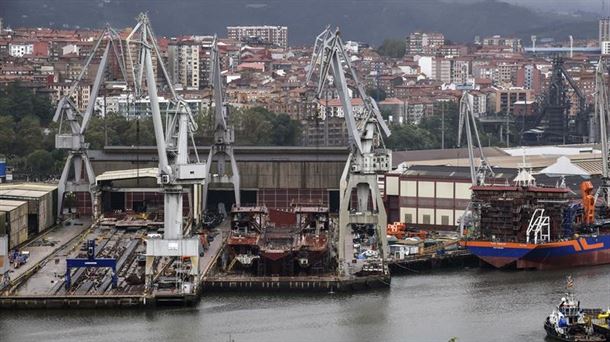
472	305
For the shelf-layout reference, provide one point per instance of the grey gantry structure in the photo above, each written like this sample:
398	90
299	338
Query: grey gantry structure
480	172
73	124
222	147
368	156
601	111
176	170
468	126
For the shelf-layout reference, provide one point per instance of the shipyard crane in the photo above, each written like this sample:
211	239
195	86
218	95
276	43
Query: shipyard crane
468	126
176	171
368	155
478	173
224	137
601	111
72	137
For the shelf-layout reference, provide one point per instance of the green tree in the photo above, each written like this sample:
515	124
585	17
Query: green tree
96	133
29	135
259	126
40	164
7	135
394	48
19	102
410	137
146	136
286	131
434	124
254	126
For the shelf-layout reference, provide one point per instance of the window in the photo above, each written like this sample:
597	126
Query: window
408	218
445	220
426	219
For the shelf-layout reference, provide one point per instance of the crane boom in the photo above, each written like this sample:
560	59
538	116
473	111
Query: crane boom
73	138
468	126
601	109
222	147
478	173
175	169
368	155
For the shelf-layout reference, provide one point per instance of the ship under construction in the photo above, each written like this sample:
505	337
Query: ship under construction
527	225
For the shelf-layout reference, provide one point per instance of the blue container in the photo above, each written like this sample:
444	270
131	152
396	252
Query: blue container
2	168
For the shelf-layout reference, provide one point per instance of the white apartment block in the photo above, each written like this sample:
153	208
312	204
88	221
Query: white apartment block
20	49
604	31
513	43
277	35
426	43
605	47
80	96
478	103
333	107
184	64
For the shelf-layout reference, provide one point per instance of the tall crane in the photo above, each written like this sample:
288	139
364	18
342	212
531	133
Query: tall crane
478	173
72	137
368	155
601	111
224	138
468	126
176	171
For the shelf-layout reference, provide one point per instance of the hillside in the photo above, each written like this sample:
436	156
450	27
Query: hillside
370	21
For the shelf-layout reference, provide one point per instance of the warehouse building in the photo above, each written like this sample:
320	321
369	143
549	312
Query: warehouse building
14	221
41	200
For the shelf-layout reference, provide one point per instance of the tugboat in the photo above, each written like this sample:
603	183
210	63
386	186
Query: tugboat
569	323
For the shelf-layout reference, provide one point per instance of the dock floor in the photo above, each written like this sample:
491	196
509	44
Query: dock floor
47	244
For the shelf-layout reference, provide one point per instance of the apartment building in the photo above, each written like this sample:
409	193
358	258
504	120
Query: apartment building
418	43
183	63
277	35
513	43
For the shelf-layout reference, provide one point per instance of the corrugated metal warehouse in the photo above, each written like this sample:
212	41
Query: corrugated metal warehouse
41	200
15	220
274	176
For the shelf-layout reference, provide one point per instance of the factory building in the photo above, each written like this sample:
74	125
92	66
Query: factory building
274	176
431	189
432	197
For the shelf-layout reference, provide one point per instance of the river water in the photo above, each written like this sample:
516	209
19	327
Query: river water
471	304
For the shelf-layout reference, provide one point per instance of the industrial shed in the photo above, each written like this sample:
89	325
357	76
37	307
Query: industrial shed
14	219
41	203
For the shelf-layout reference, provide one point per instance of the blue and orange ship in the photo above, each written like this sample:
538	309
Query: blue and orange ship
526	226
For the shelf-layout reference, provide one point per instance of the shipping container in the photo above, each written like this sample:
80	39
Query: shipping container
17	221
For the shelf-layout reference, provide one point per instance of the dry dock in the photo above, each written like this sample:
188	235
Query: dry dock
41	281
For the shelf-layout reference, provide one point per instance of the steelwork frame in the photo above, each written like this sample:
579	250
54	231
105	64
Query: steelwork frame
368	155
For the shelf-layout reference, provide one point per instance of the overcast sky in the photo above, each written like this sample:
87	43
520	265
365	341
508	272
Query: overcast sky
593	6
367	20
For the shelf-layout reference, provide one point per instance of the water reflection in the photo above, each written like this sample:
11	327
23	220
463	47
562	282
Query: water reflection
473	305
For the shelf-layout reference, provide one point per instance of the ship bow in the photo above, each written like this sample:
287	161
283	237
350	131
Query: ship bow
498	254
